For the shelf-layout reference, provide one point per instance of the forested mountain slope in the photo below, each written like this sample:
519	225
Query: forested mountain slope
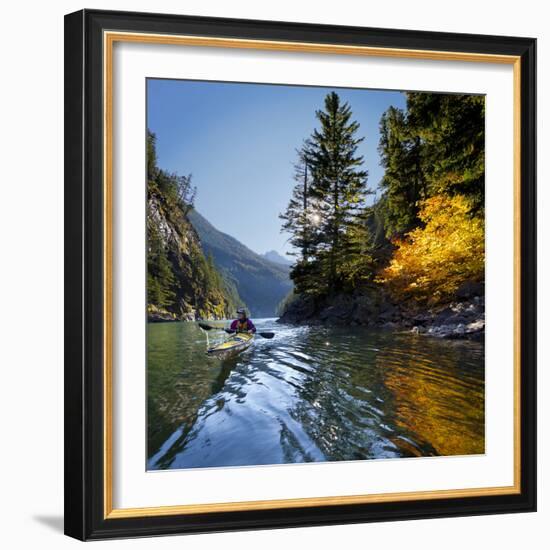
182	282
261	283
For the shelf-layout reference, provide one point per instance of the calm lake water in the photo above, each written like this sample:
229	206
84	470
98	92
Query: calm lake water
311	394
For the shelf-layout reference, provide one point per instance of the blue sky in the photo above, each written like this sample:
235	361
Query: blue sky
239	142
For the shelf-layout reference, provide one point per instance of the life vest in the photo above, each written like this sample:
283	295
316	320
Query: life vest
242	326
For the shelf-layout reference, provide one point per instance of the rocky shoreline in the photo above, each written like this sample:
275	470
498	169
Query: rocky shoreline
461	318
163	317
157	315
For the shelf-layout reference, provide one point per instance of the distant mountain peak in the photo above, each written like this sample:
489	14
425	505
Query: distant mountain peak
275	257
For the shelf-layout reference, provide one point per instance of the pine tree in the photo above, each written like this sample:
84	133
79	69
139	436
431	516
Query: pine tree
360	255
185	192
452	130
300	216
403	183
160	279
301	220
152	169
338	184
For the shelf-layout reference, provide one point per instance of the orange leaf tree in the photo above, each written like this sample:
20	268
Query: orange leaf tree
432	261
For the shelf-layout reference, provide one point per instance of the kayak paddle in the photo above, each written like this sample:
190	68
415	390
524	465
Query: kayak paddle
268	335
208	327
262	334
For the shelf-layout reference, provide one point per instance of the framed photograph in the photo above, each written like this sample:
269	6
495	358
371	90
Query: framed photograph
300	274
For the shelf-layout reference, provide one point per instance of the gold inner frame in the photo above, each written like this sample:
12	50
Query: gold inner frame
109	39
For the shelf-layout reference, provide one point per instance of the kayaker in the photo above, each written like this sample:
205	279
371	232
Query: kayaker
243	323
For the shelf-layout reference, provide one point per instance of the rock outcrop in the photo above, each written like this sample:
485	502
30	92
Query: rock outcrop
198	290
464	317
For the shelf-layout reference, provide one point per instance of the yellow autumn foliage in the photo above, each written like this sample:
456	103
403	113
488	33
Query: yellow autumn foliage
431	262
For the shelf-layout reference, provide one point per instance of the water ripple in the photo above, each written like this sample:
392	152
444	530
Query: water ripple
311	394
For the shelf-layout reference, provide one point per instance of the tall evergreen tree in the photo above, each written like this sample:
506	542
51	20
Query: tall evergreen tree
152	169
452	130
358	260
338	184
160	278
403	183
300	219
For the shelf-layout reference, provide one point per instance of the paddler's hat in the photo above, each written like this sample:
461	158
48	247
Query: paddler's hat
241	310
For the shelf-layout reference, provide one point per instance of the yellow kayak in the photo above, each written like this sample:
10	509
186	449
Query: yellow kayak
232	346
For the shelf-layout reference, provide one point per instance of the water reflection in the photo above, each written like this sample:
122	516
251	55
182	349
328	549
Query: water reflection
311	394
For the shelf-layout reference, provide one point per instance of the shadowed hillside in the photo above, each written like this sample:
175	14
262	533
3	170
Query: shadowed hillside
262	284
276	258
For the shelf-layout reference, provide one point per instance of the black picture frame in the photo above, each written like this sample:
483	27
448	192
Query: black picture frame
84	281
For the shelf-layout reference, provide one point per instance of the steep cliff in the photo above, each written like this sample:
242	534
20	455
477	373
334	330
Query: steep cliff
185	284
